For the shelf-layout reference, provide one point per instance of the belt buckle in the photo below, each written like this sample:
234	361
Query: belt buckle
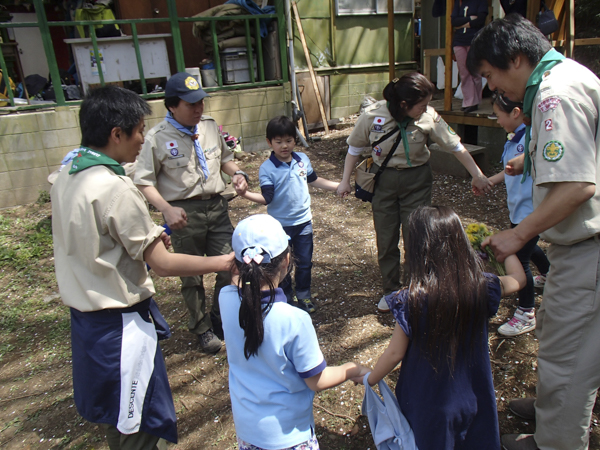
206	196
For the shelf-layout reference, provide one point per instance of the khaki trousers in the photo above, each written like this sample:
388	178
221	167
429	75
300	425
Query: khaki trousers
568	329
397	194
208	233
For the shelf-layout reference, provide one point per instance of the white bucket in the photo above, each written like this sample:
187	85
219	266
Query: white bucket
209	77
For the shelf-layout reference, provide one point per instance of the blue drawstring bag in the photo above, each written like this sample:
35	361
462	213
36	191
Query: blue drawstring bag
389	427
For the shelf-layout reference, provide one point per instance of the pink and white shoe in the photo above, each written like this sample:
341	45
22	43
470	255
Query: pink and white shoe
522	322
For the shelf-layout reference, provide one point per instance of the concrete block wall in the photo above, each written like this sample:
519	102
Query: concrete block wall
32	144
347	91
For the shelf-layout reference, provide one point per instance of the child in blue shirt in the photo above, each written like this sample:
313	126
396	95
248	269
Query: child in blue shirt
520	205
284	180
275	363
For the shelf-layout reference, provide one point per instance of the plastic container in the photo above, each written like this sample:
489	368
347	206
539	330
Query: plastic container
209	75
234	62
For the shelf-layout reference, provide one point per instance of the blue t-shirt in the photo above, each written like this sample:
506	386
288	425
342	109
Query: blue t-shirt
448	411
286	184
518	195
272	404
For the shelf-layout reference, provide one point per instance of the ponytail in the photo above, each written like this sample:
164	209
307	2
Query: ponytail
252	311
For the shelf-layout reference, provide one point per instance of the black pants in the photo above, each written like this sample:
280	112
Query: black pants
531	252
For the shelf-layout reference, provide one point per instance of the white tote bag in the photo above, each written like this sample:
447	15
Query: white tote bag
389	427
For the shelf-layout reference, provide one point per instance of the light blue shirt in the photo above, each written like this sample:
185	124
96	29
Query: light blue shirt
272	404
291	200
518	195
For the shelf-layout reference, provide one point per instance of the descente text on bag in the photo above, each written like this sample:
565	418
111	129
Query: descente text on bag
365	181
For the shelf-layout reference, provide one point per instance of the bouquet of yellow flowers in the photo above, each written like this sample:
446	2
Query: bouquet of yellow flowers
477	232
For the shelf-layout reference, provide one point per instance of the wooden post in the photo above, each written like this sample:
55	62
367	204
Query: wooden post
570	28
310	67
448	59
391	49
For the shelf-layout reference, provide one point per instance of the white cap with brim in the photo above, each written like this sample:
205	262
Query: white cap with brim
259	238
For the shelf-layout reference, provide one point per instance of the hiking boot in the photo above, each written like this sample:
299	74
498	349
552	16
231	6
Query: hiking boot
306	305
521	322
523	407
209	342
382	306
518	442
539	281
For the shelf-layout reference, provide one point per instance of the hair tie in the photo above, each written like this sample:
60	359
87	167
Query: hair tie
395	80
247	282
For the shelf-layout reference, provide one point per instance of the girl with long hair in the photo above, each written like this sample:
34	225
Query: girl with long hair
404	121
275	363
445	386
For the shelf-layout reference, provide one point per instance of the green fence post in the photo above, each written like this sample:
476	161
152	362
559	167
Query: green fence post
282	33
260	62
216	59
249	51
176	35
138	56
49	50
97	54
5	78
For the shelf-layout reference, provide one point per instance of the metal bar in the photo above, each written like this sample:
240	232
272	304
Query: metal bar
5	77
216	59
49	50
448	58
97	54
63	23
282	35
138	57
259	59
176	33
249	51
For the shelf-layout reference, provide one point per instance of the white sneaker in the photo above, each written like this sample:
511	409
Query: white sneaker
382	306
522	322
539	281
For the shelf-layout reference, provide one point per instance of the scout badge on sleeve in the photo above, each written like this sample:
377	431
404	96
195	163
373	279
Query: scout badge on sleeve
365	181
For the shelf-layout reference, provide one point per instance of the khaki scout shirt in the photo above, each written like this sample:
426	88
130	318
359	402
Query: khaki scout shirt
376	121
101	228
565	144
168	161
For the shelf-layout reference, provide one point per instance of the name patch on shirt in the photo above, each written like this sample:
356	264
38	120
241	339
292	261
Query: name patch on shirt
548	104
553	151
548	124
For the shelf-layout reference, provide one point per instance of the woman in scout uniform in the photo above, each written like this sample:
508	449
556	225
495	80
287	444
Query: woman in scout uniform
406	182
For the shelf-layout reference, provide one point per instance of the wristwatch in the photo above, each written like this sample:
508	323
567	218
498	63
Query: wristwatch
242	173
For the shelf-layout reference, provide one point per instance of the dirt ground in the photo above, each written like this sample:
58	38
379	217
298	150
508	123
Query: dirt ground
36	400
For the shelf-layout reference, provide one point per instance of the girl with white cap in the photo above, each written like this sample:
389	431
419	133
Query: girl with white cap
275	363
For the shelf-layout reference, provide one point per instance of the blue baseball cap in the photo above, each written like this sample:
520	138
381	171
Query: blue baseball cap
260	238
184	86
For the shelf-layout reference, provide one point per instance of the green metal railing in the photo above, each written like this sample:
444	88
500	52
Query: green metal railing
44	27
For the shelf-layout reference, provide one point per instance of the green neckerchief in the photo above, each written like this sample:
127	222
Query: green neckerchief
549	60
87	158
402	125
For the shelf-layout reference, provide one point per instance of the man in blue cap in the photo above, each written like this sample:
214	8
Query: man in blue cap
179	172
